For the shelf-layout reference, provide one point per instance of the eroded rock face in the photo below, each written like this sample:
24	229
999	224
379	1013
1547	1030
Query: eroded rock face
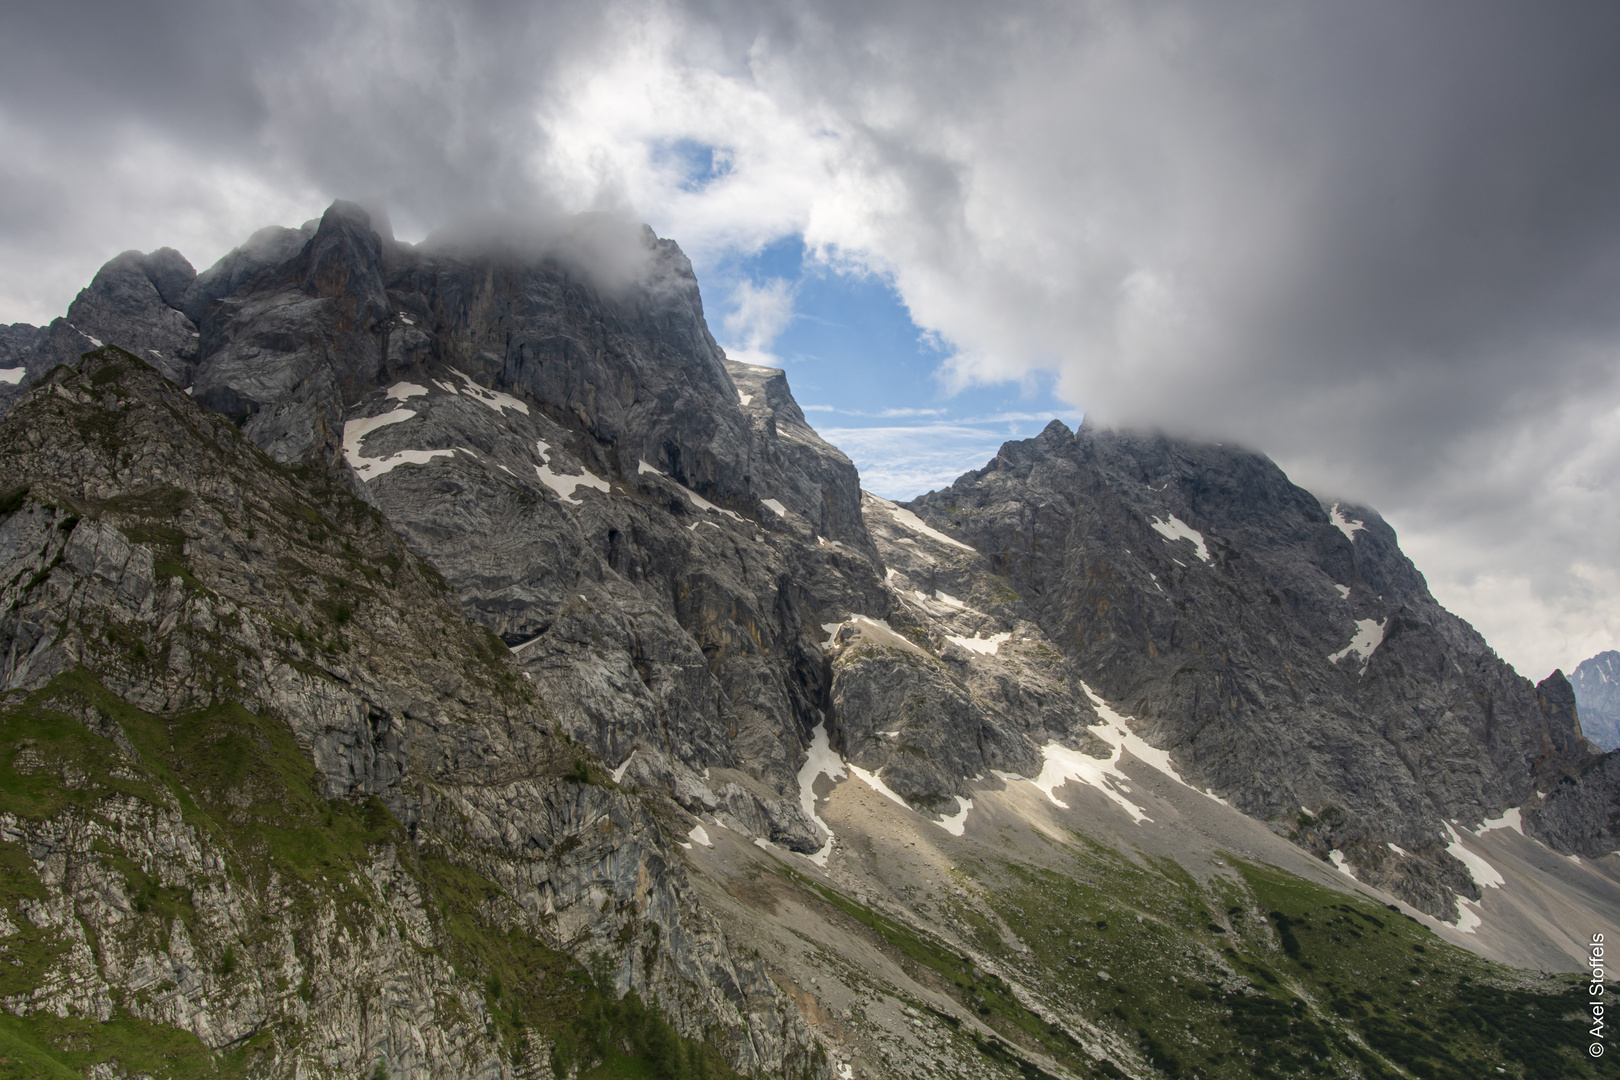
1284	650
1597	689
189	625
669	600
689	577
1581	814
133	300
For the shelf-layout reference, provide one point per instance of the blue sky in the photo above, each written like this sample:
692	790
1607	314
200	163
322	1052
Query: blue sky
865	374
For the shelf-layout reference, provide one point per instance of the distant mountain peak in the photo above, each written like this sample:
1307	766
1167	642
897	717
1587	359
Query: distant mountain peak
1597	689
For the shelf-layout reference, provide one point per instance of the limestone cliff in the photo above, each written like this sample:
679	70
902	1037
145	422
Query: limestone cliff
273	791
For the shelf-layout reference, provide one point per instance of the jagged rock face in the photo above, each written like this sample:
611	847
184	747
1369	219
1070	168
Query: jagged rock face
188	624
1597	689
266	249
1285	651
648	616
288	346
19	343
954	684
520	370
1581	814
134	299
282	353
645	629
687	573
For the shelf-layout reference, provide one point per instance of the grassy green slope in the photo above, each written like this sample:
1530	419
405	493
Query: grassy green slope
1254	973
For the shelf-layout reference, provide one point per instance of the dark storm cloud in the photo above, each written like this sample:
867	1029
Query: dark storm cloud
78	68
1379	241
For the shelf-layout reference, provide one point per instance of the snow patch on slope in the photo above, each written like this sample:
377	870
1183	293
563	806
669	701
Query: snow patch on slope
565	486
820	760
624	766
1369	635
984	646
1176	529
878	630
368	469
906	519
492	399
875	782
1117	733
956	824
1062	764
400	391
1483	873
693	497
1510	819
1344	524
13	376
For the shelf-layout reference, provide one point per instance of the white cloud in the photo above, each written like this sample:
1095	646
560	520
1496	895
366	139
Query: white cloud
903	462
759	313
154	192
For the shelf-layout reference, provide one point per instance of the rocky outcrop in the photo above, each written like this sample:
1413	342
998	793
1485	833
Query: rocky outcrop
1597	688
281	794
283	353
670	597
1283	649
689	578
134	300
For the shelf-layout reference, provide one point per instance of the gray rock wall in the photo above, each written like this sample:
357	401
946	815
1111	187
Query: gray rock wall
165	581
1284	650
1597	689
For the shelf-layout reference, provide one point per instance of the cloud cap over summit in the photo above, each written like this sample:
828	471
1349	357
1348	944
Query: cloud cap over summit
1378	242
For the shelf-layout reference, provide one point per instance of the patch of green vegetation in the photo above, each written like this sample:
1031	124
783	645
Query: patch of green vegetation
336	611
529	985
26	955
149	518
586	771
161	503
103	428
631	1042
1263	974
252	797
43	1045
983	991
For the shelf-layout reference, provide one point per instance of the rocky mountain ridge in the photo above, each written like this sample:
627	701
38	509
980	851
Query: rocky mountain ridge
205	650
683	619
1293	661
1596	681
1285	651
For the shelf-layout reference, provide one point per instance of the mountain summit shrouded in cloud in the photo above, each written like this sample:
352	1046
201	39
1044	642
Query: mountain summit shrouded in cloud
436	660
1378	243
